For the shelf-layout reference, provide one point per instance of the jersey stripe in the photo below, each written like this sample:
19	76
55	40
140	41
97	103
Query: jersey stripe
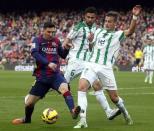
107	50
98	54
81	47
122	37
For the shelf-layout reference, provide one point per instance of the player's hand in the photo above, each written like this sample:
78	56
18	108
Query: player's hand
52	66
137	10
68	45
91	37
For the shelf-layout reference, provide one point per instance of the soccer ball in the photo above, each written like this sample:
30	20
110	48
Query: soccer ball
49	116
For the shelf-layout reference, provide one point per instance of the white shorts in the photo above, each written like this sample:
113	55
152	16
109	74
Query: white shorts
73	69
105	74
148	65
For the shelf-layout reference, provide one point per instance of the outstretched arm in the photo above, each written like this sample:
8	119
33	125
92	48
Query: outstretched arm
136	12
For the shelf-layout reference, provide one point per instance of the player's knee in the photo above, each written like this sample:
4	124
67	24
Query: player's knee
63	88
97	85
30	101
114	97
83	85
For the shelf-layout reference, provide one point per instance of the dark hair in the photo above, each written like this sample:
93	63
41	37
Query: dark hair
113	14
48	25
90	10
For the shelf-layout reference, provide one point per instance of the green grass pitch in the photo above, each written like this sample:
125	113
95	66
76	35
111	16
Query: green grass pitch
138	96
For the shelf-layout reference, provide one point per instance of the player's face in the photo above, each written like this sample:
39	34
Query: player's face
49	33
109	23
90	18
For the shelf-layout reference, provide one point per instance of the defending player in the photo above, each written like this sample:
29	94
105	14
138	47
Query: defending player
80	36
106	44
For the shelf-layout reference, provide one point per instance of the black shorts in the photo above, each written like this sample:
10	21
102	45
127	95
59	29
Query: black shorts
137	61
41	87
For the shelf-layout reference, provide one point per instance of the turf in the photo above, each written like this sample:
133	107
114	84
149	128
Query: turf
138	98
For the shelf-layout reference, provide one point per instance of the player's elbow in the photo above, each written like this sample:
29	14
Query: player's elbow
129	32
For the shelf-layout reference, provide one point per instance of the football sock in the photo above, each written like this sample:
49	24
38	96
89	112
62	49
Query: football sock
69	100
150	76
82	102
28	113
121	106
147	76
101	98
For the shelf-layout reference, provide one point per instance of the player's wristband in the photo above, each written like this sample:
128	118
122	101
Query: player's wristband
135	17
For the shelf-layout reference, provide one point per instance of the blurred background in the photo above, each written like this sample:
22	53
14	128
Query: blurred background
22	20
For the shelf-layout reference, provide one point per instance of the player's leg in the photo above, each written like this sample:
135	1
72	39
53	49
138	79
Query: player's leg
37	91
84	83
82	102
146	76
150	76
120	104
108	80
74	69
146	68
61	85
101	98
151	72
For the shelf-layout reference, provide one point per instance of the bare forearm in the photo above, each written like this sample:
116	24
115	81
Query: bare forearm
136	12
131	28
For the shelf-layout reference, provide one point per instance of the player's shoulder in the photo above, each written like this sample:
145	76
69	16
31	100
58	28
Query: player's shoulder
120	35
119	32
37	39
78	26
99	29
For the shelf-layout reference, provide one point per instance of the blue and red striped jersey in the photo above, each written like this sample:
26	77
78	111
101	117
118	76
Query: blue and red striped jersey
46	51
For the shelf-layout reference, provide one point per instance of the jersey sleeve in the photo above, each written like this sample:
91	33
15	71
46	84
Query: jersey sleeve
74	31
35	52
122	36
61	51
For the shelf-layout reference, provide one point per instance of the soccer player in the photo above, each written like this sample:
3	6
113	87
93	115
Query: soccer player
138	57
46	50
80	36
106	44
148	52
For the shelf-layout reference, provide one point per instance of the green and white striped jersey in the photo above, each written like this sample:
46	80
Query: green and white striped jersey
106	46
79	34
148	52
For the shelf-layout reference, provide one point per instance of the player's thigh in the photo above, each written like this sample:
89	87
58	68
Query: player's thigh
31	99
146	65
73	70
59	83
39	89
89	74
107	78
152	65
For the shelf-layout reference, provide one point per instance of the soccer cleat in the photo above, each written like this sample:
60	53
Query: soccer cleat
128	119
19	121
76	112
81	124
114	113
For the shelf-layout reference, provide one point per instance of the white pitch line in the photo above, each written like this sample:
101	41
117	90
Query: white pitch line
131	88
126	94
